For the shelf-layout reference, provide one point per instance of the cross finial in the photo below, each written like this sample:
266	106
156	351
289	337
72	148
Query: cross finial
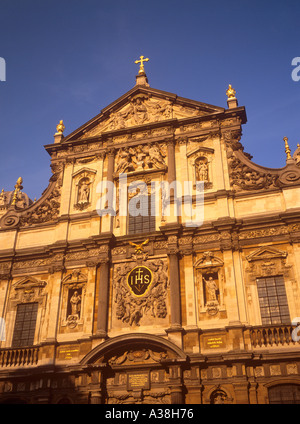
141	61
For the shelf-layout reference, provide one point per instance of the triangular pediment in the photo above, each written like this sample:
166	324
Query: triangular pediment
142	106
266	253
29	282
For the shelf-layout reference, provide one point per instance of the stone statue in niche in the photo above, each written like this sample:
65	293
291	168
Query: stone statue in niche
83	193
218	397
74	307
201	170
211	291
75	303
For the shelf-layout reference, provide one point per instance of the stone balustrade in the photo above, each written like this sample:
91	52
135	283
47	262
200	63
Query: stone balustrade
272	336
19	357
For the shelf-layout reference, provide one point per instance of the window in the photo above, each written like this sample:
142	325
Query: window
144	222
25	324
273	301
284	394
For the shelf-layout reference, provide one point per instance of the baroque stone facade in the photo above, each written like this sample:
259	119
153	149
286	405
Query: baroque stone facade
152	311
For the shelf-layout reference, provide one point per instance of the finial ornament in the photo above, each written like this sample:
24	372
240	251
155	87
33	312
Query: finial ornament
230	92
18	188
287	148
141	61
60	127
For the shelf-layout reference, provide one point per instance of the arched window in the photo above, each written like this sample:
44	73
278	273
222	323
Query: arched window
284	394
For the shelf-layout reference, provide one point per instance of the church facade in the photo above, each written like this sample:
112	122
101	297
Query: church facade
128	282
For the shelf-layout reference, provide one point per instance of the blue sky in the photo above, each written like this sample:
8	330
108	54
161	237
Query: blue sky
69	59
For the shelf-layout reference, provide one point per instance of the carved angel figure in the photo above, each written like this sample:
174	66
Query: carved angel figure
123	161
156	158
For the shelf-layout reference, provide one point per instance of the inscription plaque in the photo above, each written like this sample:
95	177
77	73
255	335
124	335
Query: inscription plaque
138	381
214	342
68	352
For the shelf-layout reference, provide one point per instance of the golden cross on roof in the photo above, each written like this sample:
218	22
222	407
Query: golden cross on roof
141	61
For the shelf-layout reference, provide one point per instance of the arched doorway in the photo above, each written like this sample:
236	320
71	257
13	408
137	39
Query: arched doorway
138	369
284	394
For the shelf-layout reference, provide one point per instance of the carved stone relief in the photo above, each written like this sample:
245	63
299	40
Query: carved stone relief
140	291
140	158
242	177
267	261
28	289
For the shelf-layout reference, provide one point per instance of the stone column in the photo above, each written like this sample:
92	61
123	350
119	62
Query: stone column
241	393
175	290
171	179
95	386
171	161
107	220
103	298
176	384
96	398
110	171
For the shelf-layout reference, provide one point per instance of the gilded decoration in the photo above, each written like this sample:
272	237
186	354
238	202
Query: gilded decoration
210	282
147	302
73	297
